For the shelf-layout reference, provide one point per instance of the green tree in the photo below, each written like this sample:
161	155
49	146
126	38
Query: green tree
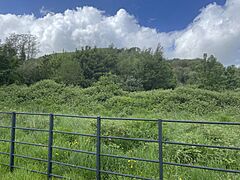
25	45
212	74
8	64
30	72
232	78
70	73
186	70
95	63
155	72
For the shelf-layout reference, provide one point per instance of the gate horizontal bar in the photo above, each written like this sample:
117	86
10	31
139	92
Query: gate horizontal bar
6	127
58	176
31	129
73	166
133	139
202	167
127	119
130	158
75	116
31	144
3	164
33	114
5	112
34	171
4	153
201	145
28	157
201	122
134	119
74	133
74	150
4	140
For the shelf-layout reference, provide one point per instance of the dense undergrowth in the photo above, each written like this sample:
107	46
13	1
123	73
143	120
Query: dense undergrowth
107	99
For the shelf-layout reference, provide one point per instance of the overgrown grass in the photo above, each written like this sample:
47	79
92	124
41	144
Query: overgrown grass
109	100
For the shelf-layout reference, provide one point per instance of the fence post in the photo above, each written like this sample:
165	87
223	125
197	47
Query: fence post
160	149
50	143
12	143
98	149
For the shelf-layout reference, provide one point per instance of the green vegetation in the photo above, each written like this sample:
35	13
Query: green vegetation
135	69
119	83
107	98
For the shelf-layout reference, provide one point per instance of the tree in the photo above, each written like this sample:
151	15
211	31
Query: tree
8	64
70	73
212	74
145	70
25	45
95	62
30	72
186	70
232	78
155	72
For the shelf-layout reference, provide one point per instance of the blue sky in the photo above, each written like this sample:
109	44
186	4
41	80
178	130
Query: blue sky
184	28
164	15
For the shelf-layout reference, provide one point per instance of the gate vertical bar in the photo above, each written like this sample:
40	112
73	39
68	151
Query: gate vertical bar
50	143
12	143
160	144
98	149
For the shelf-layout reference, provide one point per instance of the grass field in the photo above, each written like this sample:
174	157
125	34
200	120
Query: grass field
109	100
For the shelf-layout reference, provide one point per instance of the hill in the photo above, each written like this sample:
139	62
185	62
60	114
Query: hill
135	69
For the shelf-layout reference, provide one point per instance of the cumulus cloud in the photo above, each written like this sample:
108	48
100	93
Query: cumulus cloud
216	30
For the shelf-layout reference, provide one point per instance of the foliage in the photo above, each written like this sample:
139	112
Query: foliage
212	74
136	69
106	98
25	45
111	82
70	73
8	64
206	73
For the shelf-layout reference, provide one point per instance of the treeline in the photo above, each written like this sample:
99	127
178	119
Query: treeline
133	69
207	73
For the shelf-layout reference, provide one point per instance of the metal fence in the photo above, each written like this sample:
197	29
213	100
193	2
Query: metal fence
98	170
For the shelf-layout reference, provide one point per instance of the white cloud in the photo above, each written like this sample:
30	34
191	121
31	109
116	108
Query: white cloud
43	11
216	31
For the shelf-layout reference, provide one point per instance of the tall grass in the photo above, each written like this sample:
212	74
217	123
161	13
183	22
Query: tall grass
182	103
